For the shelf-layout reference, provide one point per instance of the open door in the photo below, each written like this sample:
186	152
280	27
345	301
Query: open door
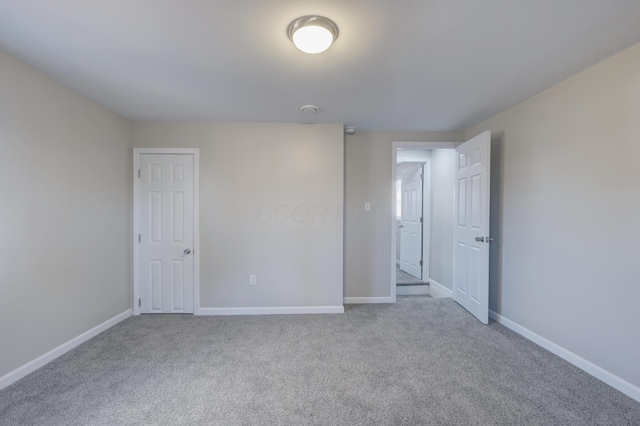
471	226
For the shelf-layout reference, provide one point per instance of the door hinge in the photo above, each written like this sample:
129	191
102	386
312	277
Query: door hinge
139	238
421	263
421	220
139	303
139	173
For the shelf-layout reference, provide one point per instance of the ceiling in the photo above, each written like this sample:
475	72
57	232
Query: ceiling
401	65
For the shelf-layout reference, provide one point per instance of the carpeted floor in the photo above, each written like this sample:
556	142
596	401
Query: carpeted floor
402	278
419	362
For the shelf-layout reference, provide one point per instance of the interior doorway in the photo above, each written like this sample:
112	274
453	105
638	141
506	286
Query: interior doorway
412	221
460	207
422	254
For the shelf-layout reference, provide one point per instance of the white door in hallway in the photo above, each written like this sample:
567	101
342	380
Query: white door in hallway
411	221
471	226
166	212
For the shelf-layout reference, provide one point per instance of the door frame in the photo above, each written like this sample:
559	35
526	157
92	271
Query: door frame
137	152
426	223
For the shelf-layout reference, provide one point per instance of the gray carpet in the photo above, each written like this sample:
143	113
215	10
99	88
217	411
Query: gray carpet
402	278
420	361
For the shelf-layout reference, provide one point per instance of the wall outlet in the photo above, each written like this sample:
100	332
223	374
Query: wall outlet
367	207
252	280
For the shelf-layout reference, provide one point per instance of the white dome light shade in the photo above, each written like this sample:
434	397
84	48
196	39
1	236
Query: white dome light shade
312	39
312	34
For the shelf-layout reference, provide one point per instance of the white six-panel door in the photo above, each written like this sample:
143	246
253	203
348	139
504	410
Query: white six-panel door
411	221
471	226
166	233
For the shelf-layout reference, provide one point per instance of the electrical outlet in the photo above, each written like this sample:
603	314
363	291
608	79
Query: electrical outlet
252	280
367	207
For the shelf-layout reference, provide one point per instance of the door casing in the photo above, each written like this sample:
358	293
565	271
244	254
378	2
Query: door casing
137	152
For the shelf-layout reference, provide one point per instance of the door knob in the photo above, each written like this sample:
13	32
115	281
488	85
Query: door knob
187	251
480	239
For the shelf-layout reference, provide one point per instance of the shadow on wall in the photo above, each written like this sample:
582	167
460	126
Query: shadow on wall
495	218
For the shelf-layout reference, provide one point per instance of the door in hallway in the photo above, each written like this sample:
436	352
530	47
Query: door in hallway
411	221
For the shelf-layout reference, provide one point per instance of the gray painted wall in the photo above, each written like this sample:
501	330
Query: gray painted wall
65	180
570	198
368	177
443	163
270	205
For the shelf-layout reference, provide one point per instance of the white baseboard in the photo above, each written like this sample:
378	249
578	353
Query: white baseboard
410	290
273	310
437	290
42	360
364	300
596	371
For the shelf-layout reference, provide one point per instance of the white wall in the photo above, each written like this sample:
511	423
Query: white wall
271	205
65	180
570	266
368	177
413	155
443	163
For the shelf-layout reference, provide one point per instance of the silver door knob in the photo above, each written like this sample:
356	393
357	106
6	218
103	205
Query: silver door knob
187	251
480	239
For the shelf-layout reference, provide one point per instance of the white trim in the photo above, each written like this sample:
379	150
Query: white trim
196	221
284	310
394	242
394	157
426	220
31	366
364	300
600	373
135	288
437	290
410	290
196	231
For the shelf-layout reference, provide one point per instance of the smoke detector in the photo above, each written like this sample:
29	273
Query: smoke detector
309	109
349	130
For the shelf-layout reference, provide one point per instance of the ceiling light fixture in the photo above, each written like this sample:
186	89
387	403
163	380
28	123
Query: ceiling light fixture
312	34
